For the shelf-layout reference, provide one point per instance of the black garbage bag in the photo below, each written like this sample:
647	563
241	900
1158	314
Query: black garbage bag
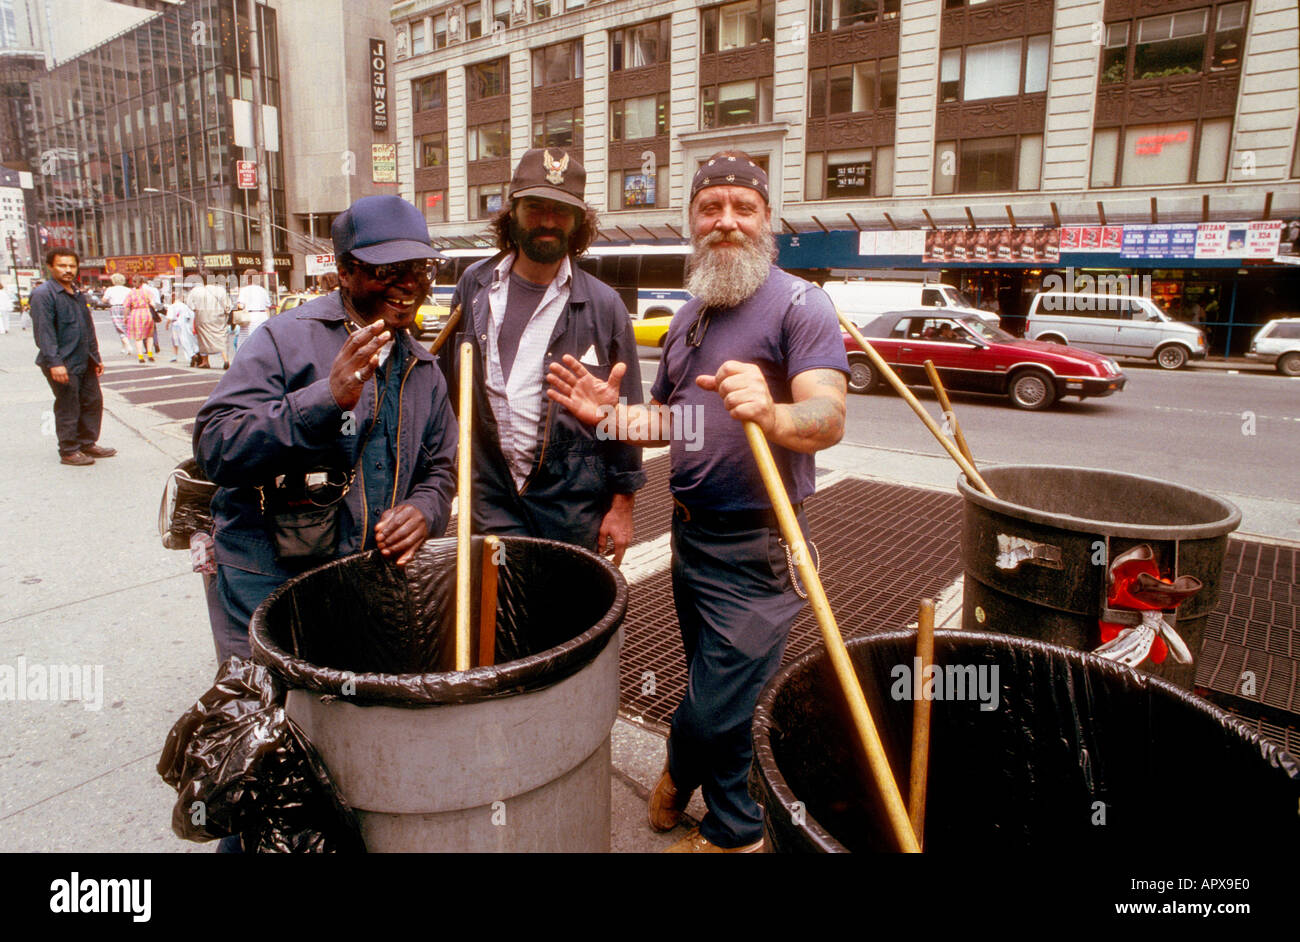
240	766
363	628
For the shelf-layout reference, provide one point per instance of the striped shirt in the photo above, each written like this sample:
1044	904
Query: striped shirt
520	402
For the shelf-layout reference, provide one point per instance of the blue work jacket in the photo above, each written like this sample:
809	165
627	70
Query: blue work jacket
273	413
62	328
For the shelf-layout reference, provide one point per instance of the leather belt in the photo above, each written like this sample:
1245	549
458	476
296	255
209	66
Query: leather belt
722	520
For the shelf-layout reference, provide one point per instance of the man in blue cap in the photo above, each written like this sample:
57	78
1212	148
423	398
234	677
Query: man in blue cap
337	405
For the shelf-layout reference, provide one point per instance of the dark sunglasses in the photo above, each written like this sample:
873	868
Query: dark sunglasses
695	336
397	271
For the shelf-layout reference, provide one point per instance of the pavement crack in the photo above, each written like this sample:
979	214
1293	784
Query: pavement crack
73	788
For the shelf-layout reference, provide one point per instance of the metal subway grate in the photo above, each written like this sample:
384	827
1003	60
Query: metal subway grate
1250	662
652	515
882	547
1287	736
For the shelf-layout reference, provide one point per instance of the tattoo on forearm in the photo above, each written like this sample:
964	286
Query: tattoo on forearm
815	417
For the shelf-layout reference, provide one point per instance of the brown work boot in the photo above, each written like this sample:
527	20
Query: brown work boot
666	804
76	458
697	843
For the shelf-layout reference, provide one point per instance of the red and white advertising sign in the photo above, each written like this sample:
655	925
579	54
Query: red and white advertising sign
246	174
321	264
1212	240
1262	239
1092	238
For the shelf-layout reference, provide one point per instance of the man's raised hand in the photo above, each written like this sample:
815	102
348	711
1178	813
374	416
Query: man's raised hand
588	398
356	363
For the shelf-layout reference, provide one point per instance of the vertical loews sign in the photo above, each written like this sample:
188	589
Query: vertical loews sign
378	85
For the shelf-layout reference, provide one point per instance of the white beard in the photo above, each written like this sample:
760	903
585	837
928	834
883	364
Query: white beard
725	278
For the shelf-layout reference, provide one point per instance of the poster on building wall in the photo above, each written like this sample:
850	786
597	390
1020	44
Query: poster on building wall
1092	239
1263	239
638	190
1160	240
1041	245
1238	239
383	163
891	242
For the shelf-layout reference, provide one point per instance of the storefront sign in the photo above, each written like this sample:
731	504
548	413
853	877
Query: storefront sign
993	246
1095	239
383	163
241	261
378	85
149	265
246	174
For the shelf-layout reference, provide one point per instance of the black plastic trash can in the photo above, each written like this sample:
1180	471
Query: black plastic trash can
1036	556
1078	755
513	757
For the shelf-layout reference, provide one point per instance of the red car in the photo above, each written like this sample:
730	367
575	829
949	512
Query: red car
972	356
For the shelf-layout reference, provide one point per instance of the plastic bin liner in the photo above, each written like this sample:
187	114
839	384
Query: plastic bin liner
1078	755
363	628
240	766
186	505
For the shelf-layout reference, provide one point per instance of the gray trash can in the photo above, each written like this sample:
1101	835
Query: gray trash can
513	757
1036	557
1078	755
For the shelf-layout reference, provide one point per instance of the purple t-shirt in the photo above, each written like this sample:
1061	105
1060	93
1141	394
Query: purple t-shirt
787	327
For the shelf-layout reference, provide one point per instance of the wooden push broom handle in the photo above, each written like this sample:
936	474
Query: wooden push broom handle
866	728
464	518
949	413
921	722
879	363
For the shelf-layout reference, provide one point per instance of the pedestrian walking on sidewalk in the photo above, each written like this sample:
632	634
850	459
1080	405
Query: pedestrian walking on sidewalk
115	297
68	355
209	302
6	308
139	319
753	344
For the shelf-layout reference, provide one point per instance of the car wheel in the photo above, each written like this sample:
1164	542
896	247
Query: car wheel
1172	357
1052	338
1288	364
1033	390
862	375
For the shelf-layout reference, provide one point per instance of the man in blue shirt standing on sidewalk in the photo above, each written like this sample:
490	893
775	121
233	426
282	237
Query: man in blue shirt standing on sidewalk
68	355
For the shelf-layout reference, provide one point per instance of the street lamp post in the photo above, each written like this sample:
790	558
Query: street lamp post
198	228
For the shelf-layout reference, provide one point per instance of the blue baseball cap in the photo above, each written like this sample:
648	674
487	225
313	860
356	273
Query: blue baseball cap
380	230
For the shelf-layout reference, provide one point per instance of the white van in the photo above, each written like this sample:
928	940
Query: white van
860	301
1123	325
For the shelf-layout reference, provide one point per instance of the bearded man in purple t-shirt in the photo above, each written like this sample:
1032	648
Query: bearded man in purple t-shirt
753	344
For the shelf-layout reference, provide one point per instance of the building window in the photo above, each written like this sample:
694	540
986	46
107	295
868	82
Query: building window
632	189
1114	58
429	92
561	62
634	118
992	70
841	14
735	25
637	46
433	203
541	9
486	201
473	21
488	141
486	79
860	87
736	103
558	129
440	31
988	165
1173	44
500	15
1154	154
1229	37
850	174
419	38
431	150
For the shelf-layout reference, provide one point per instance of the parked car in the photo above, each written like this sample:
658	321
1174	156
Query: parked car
859	300
1122	325
972	356
1278	342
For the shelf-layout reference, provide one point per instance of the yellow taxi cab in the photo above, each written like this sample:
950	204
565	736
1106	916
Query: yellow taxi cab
650	331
